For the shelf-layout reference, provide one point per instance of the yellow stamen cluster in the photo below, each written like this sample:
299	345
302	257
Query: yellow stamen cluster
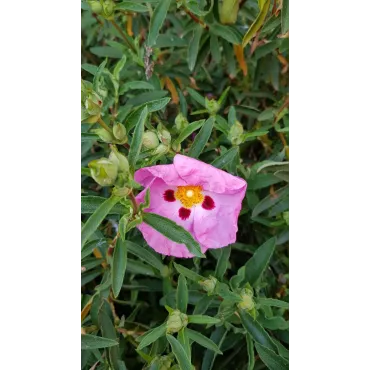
189	195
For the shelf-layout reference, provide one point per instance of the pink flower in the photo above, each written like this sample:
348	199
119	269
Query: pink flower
204	200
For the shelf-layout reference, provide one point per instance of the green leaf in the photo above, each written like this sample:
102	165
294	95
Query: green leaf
180	354
202	138
107	52
91	342
285	17
135	85
203	341
218	337
151	336
271	359
226	32
96	218
182	294
271	302
183	338
145	254
196	96
118	266
188	273
131	6
173	231
250	350
118	67
89	204
194	46
222	263
269	201
156	21
203	319
98	74
215	49
224	159
202	305
255	329
137	139
188	130
193	6
256	265
256	25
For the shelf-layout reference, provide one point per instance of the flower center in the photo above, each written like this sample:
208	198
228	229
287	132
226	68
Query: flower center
189	196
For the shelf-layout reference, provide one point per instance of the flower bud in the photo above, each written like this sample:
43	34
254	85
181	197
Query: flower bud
229	11
247	300
176	147
161	149
163	134
91	103
121	191
212	106
176	322
108	9
150	140
95	6
165	363
209	285
181	122
103	171
119	159
104	135
119	132
236	133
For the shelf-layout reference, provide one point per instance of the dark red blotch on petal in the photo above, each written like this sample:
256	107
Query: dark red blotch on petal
208	203
184	213
169	196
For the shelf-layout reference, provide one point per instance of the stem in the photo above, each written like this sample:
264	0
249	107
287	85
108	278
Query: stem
134	203
127	41
104	125
195	18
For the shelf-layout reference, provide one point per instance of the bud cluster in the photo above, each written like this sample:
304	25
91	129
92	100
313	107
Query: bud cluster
209	285
105	8
236	133
176	321
247	302
91	103
158	141
117	136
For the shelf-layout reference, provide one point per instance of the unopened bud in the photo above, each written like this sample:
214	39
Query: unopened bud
236	133
212	106
229	11
247	300
176	322
163	134
121	191
165	363
119	159
161	149
104	135
209	285
95	6
150	140
176	147
119	132
103	171
181	122
108	9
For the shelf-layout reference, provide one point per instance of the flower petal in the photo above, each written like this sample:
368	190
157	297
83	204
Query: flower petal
195	172
217	228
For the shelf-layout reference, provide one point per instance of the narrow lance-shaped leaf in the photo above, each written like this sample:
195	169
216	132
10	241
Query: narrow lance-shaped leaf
256	265
156	21
203	319
188	273
188	130
180	354
271	359
173	231
182	294
194	47
222	262
92	342
285	17
223	160
118	266
183	338
96	218
202	138
256	25
137	138
250	350
203	340
151	336
218	337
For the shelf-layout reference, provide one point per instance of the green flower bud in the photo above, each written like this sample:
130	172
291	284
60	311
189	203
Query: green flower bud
176	322
119	132
95	6
120	160
247	300
161	149
91	103
212	106
150	140
181	122
165	363
229	11
236	133
209	285
121	191
176	147
103	171
108	7
163	134
104	135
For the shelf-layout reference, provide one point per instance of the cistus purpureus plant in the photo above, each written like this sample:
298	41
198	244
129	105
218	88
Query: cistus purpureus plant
185	185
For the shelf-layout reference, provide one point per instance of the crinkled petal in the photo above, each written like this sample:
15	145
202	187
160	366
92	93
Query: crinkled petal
217	228
195	172
158	205
166	172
